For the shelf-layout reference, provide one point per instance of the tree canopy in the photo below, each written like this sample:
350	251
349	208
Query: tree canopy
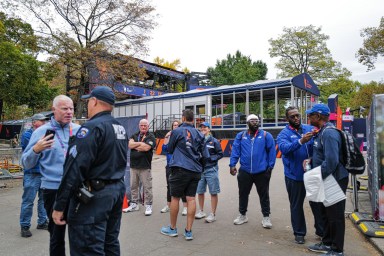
78	32
363	96
344	87
304	50
373	45
22	80
237	69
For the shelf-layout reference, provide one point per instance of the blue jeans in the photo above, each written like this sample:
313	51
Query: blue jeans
31	184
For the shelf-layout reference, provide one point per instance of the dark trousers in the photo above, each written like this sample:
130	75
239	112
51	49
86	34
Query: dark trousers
167	173
319	217
245	182
56	232
94	228
296	195
335	222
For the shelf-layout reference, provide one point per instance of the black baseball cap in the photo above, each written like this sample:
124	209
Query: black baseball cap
103	93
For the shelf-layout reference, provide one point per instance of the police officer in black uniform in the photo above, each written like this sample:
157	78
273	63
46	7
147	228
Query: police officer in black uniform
92	186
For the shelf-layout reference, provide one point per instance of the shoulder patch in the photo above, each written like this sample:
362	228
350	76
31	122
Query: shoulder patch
150	143
82	133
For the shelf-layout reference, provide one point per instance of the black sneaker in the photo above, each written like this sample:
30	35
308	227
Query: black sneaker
43	226
320	247
299	239
25	232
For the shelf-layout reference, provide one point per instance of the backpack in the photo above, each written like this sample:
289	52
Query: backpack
351	158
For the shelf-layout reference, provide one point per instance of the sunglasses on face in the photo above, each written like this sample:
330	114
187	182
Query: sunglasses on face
294	116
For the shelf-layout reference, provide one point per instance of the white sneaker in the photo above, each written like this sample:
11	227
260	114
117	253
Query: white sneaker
133	207
148	210
241	219
165	209
200	215
184	212
266	222
211	218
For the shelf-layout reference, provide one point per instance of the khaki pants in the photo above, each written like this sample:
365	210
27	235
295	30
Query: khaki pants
145	177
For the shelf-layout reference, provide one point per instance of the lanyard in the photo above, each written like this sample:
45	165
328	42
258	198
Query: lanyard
58	136
142	139
297	130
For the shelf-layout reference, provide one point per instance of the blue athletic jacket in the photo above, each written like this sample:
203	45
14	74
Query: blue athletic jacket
212	152
294	153
186	146
24	143
169	156
256	154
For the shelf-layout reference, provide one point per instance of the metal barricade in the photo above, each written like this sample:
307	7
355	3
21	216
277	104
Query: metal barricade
9	162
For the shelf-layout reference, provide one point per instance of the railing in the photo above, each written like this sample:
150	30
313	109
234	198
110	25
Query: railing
164	122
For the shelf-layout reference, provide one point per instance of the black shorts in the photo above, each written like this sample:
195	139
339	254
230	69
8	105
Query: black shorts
183	182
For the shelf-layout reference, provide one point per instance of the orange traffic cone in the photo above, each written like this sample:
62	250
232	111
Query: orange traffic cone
125	203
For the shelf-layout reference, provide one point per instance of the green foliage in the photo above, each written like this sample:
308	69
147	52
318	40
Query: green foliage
81	32
364	96
237	69
20	33
304	50
373	45
344	87
21	78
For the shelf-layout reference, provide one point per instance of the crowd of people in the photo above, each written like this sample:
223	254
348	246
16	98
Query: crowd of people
78	173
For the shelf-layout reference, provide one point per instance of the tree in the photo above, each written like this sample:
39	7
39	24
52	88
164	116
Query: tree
373	45
304	50
21	78
363	96
237	69
344	87
78	32
176	65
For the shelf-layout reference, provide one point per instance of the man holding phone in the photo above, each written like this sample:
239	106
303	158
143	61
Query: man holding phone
51	150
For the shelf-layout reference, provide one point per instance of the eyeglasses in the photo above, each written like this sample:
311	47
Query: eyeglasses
294	116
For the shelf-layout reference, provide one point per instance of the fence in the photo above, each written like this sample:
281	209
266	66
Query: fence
9	162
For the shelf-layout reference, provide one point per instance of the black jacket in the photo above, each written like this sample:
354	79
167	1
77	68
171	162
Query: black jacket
98	151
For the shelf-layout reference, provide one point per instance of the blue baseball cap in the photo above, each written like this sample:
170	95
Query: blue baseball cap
103	93
206	124
322	109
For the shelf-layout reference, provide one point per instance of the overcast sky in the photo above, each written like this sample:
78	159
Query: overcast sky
201	31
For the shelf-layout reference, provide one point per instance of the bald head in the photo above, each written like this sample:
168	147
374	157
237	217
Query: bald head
62	108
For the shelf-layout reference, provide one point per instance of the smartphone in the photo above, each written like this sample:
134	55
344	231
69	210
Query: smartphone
48	132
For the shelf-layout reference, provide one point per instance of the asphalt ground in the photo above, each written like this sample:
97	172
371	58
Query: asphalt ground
140	235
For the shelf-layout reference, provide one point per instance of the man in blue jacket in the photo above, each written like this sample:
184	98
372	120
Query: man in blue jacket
50	151
256	150
326	154
186	146
296	144
31	186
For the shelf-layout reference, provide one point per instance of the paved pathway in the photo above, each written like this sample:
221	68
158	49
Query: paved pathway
140	235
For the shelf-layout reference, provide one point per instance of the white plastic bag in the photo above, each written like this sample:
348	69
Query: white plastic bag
314	185
332	191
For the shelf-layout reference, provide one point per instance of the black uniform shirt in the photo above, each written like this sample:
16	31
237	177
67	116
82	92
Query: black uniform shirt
143	160
99	151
